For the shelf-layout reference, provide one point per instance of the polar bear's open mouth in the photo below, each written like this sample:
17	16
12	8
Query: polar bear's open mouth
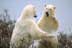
47	14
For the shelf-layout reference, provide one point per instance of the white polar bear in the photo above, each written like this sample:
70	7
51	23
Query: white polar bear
26	29
48	23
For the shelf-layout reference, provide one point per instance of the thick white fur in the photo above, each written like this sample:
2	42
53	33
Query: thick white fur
26	29
50	25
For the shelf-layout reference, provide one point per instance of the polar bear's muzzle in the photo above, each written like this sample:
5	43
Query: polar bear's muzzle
47	14
35	16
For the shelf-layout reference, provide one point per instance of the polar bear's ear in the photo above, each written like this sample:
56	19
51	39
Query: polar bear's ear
55	7
45	5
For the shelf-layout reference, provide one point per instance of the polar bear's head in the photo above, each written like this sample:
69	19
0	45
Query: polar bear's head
49	9
28	11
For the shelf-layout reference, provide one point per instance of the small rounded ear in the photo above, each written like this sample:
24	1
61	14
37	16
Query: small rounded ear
55	7
45	5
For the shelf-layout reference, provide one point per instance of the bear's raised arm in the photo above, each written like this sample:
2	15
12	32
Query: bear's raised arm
38	33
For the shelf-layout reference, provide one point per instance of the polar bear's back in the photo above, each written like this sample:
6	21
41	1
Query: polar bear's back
21	36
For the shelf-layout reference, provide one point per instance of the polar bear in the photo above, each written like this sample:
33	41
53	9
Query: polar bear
26	30
48	21
49	24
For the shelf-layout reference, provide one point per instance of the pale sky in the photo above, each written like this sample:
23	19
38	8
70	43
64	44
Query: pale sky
63	9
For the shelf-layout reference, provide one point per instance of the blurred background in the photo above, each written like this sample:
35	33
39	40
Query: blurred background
10	10
63	10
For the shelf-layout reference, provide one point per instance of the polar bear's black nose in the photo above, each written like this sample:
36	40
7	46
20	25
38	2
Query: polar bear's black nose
47	14
35	16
